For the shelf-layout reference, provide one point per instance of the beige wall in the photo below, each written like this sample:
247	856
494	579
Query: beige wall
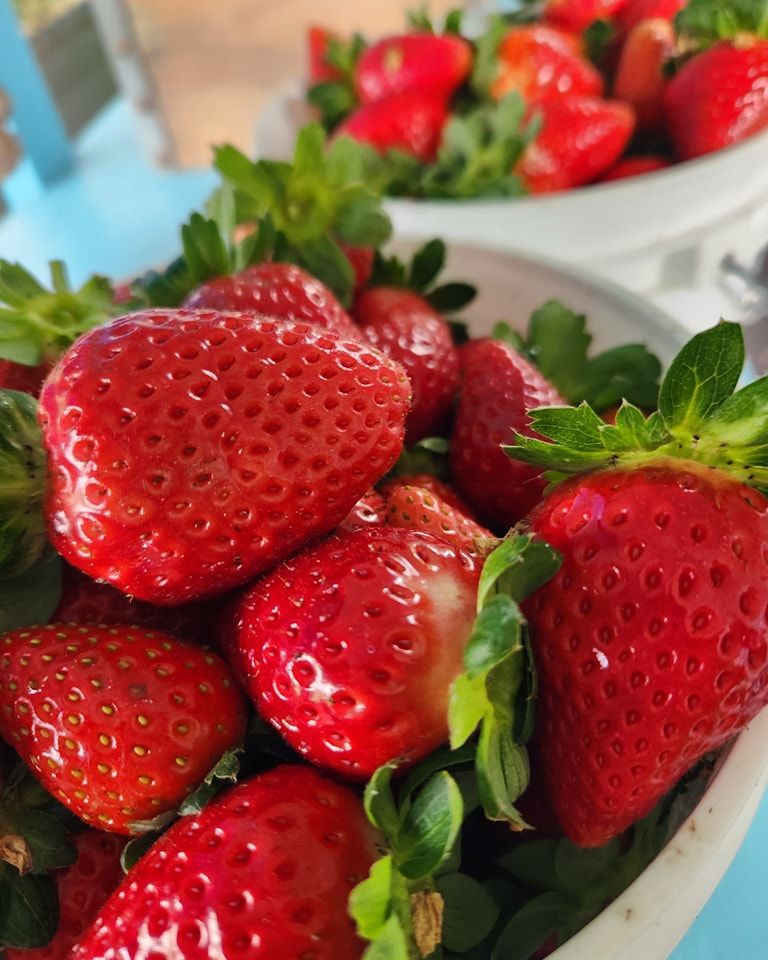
215	61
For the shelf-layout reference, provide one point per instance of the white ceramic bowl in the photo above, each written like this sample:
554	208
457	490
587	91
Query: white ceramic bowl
665	230
650	918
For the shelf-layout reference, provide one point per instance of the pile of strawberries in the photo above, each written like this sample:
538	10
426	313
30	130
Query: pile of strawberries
326	605
605	89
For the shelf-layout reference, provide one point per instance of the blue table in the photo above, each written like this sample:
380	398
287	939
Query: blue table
118	215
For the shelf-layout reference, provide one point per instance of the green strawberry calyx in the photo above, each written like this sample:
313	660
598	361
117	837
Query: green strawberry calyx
398	907
420	275
336	99
495	695
38	323
301	213
557	342
703	23
701	417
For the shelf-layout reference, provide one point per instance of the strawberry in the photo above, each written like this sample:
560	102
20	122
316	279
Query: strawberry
279	290
85	601
498	387
635	167
444	491
651	640
368	511
411	122
318	42
640	79
83	890
119	724
420	63
581	137
264	871
635	11
361	259
191	450
351	646
404	326
576	15
417	508
539	62
718	98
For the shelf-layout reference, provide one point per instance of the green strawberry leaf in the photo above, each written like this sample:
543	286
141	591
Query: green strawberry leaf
558	343
429	455
22	485
469	914
703	23
227	770
502	771
451	297
486	63
442	759
379	801
426	265
390	944
429	829
532	926
136	847
37	324
325	259
31	597
517	567
502	331
699	418
29	909
420	276
370	901
598	39
334	100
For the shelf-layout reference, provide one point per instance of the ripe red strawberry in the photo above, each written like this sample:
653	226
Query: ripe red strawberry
640	78
404	326
83	890
498	387
411	122
279	290
429	482
85	601
351	646
319	70
416	508
119	724
718	98
581	137
265	871
368	511
635	11
18	376
635	167
361	259
577	15
539	62
650	641
422	63
191	450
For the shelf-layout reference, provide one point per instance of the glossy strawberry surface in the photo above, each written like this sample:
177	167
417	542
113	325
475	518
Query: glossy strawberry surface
351	646
651	640
422	63
539	62
577	15
83	890
361	259
418	508
443	490
718	98
580	138
635	11
85	601
404	326
411	122
119	724
280	290
368	511
191	450
264	872
498	387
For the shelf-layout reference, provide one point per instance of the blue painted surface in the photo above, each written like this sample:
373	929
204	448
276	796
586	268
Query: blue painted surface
36	118
120	215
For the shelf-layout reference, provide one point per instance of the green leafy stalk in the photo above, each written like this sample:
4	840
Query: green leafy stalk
22	484
421	274
557	342
397	907
495	694
703	23
37	323
335	99
699	418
